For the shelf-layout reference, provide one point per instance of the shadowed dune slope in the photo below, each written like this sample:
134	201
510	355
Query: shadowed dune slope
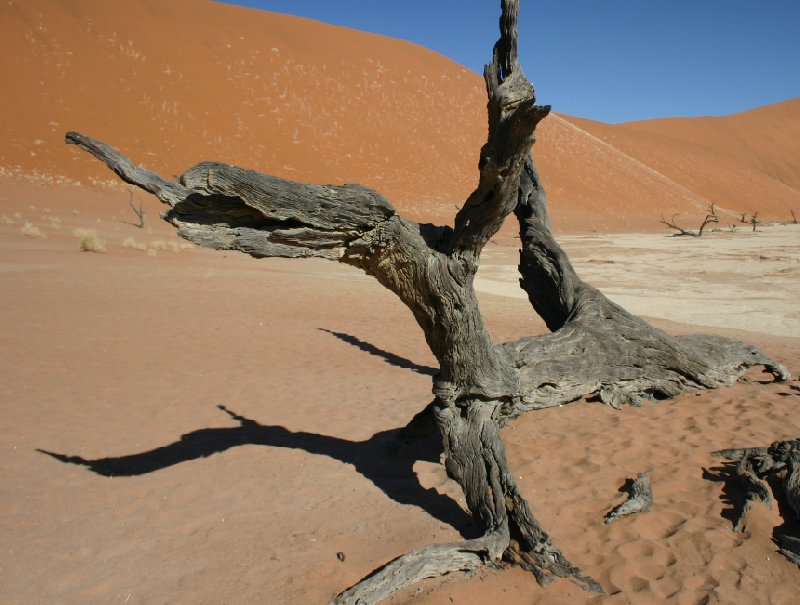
175	83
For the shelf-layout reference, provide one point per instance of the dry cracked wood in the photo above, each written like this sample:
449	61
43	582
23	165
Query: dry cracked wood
596	348
759	468
639	501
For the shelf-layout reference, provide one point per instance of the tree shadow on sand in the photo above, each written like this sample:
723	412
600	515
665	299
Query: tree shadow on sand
391	358
392	474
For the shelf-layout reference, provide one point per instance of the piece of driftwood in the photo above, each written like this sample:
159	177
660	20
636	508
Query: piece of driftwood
758	468
640	498
596	348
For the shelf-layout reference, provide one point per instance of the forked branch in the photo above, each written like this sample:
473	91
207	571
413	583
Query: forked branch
513	116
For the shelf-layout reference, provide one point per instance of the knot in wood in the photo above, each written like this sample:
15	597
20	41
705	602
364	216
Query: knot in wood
445	391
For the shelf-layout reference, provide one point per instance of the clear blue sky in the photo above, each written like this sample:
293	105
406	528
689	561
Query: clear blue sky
609	60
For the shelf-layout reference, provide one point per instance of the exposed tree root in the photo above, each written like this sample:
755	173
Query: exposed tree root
778	466
475	458
429	562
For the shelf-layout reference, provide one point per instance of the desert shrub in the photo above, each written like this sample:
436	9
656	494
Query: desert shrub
89	241
129	242
32	231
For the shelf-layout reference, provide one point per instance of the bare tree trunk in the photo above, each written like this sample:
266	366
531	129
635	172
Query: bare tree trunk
596	347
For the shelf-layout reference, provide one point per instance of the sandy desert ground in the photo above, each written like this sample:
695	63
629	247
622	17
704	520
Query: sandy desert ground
220	423
188	426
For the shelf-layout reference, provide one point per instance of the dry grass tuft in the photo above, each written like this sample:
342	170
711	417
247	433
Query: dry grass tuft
32	231
152	248
8	220
129	242
89	241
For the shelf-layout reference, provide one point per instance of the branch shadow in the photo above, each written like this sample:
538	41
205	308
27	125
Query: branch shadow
733	493
395	360
392	474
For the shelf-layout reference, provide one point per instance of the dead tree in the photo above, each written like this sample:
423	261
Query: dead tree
139	213
711	217
754	220
596	348
794	218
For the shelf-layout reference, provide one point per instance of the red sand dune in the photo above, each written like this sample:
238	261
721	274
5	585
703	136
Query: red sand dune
743	162
175	83
124	357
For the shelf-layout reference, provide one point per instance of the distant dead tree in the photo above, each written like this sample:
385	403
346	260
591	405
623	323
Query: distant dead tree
139	213
794	218
596	349
711	217
743	218
754	220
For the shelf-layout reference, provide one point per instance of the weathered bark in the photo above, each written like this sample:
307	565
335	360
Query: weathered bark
760	467
596	347
428	562
640	500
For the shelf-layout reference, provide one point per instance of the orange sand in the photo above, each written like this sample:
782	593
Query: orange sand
122	353
174	83
130	353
